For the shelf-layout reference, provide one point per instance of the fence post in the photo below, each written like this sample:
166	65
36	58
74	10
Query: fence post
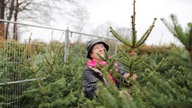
66	44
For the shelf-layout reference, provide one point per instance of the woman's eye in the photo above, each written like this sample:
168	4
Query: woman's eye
97	47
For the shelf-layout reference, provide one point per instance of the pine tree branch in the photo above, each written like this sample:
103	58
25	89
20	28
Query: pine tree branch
120	38
134	32
146	34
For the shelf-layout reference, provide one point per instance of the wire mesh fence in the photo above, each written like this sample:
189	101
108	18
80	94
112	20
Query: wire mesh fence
20	60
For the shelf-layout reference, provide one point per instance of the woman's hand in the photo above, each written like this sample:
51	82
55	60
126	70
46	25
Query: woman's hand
126	75
134	76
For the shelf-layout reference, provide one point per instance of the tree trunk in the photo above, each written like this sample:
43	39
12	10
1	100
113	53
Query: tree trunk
15	35
2	10
11	10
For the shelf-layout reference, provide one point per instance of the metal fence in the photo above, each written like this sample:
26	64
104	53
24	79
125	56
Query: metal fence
13	54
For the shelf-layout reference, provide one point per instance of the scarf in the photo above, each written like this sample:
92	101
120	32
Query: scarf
93	64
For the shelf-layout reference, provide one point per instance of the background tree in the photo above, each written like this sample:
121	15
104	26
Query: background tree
78	18
124	32
185	37
102	29
41	12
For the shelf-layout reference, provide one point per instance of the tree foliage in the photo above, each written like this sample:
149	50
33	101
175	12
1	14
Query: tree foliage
167	85
184	36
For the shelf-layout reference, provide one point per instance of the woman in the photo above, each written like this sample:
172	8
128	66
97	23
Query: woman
92	74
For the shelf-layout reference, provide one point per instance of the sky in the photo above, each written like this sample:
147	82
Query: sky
119	12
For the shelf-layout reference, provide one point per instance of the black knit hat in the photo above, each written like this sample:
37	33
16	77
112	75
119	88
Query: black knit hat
91	43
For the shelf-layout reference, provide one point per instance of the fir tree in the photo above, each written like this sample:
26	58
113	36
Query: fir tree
134	43
185	37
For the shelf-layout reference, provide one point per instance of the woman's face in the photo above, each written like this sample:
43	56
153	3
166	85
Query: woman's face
98	49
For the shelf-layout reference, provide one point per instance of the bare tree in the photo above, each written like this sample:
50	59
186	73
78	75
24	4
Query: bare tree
79	18
24	10
103	29
124	32
38	11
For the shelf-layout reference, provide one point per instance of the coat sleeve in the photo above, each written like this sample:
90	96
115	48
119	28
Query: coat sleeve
89	84
121	69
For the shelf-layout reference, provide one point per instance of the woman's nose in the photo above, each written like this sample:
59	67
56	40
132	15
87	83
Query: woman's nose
101	48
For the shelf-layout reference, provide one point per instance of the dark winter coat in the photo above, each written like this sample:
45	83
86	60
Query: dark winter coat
91	78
